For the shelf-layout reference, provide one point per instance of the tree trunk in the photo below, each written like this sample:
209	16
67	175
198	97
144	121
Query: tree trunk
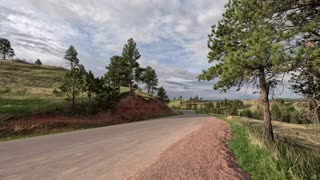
130	86
148	89
73	98
264	95
4	56
130	82
317	112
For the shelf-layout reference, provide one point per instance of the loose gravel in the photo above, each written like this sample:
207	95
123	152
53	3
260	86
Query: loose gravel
203	154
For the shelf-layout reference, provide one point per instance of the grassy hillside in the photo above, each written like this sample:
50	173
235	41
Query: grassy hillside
26	88
29	79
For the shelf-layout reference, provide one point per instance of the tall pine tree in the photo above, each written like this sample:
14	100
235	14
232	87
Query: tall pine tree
72	57
131	55
162	95
246	48
6	49
74	80
150	79
303	18
118	72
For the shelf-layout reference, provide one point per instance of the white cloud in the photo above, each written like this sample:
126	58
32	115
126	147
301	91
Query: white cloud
171	34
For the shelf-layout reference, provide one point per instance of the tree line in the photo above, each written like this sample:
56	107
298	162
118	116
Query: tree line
280	110
259	42
105	91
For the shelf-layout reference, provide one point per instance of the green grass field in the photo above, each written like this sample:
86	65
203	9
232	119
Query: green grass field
27	88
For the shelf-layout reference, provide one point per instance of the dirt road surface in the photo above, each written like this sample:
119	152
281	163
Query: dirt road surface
142	150
113	152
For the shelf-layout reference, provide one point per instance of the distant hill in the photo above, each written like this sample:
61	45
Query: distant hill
18	78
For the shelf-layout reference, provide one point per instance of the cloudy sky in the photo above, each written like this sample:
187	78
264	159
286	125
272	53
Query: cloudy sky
171	36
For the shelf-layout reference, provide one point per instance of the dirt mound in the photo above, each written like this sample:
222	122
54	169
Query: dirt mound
133	108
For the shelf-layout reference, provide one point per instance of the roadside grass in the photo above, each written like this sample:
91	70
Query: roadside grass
256	161
283	160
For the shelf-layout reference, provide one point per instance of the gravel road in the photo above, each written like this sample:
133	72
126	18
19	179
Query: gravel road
187	146
113	152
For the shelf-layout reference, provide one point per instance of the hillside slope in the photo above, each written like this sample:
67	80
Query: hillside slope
29	79
27	88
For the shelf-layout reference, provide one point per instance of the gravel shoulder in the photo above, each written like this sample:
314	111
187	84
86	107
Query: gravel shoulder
203	154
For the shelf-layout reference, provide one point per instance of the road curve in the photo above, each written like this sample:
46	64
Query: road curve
113	152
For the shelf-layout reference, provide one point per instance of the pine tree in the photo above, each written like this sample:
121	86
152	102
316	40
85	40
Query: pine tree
72	86
303	18
154	83
74	80
118	72
139	75
6	49
91	87
246	47
148	77
72	57
38	62
162	95
306	78
131	55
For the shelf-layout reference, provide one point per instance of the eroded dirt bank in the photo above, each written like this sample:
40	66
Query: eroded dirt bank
204	154
129	109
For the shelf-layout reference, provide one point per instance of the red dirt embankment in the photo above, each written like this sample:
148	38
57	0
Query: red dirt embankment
129	109
204	154
135	108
